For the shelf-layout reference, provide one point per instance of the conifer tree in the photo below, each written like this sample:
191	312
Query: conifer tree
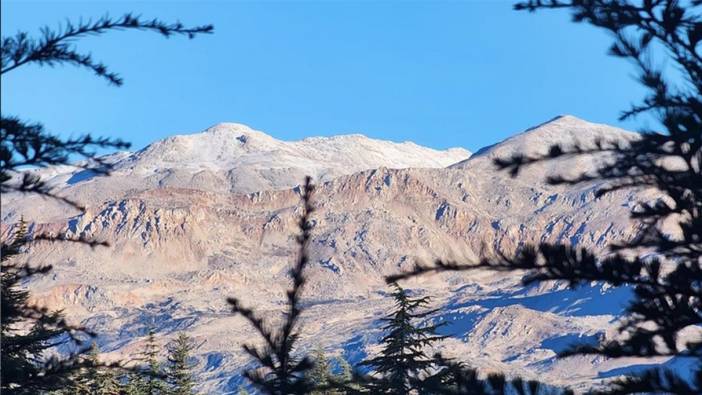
153	379
108	383
87	378
346	371
178	372
403	365
323	378
149	378
667	299
345	381
134	383
321	371
24	369
95	378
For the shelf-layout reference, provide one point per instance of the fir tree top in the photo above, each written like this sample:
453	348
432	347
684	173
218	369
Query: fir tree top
403	364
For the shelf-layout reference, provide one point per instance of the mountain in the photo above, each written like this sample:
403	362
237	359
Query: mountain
181	243
252	161
231	158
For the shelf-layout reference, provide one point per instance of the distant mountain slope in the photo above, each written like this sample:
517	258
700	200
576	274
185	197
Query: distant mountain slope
234	158
182	244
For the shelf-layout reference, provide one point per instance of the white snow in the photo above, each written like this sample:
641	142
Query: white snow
231	146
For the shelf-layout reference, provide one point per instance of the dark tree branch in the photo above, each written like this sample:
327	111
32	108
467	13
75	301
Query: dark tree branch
280	371
56	47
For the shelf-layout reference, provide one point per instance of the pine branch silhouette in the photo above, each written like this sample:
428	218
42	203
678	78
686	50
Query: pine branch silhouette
28	330
281	372
24	144
56	47
457	378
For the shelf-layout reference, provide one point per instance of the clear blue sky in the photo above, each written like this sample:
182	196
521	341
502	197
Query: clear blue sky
459	73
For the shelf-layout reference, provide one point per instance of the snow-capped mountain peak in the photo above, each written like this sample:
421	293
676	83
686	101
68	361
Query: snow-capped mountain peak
231	143
226	131
232	157
563	129
566	130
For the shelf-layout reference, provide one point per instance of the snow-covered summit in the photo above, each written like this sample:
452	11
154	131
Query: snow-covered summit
231	157
563	129
566	130
569	129
238	150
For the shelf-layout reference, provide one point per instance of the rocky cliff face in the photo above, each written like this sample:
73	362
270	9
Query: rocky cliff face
194	219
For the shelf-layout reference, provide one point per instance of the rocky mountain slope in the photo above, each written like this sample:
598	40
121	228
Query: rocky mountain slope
194	219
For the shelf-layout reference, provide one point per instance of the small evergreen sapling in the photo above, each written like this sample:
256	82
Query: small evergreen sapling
148	379
179	369
321	371
95	378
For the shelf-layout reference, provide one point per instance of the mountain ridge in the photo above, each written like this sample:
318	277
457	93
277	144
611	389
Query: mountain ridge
181	245
238	140
562	129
